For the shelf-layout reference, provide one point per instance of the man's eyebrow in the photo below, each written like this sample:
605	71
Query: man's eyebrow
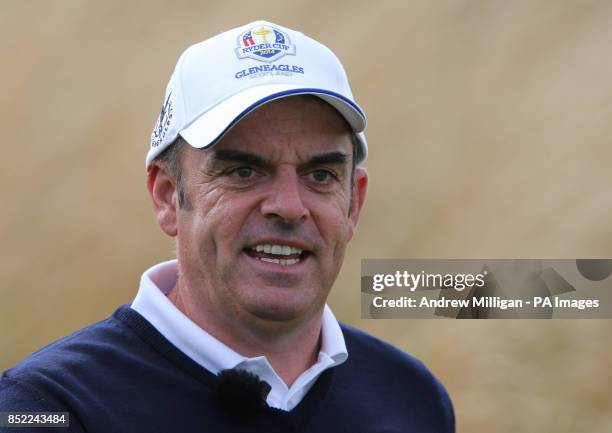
232	155
238	156
328	158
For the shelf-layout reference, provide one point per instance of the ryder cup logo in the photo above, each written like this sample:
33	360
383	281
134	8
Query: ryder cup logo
264	43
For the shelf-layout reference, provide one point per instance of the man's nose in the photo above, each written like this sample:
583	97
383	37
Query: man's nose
284	200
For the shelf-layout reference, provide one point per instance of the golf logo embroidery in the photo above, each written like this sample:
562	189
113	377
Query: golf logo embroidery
163	122
264	43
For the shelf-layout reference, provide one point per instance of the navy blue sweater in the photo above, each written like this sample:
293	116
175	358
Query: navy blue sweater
121	375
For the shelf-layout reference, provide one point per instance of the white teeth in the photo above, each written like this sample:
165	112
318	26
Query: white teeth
280	250
281	262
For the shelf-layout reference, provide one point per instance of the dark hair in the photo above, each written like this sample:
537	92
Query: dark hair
171	159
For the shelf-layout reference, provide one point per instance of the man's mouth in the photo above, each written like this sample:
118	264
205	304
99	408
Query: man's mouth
284	255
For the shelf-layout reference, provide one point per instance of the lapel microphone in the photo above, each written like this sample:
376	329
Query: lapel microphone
240	392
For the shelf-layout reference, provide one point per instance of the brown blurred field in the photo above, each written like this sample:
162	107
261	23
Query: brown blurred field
489	131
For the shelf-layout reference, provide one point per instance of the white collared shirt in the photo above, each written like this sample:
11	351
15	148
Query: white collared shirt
151	303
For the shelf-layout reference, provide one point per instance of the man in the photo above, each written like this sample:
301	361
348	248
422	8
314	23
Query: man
254	168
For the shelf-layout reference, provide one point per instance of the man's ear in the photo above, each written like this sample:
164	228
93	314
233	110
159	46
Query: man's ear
359	194
163	193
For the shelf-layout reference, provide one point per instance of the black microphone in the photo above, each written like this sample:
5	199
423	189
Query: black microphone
241	393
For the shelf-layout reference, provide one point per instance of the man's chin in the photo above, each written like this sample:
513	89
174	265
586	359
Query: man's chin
279	315
282	305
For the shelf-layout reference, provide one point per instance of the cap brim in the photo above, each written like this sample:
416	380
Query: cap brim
210	127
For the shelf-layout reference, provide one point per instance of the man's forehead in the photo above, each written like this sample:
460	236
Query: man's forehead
270	153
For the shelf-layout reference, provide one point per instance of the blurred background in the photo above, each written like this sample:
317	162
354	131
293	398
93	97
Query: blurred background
489	131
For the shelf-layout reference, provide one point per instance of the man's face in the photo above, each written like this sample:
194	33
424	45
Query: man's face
267	222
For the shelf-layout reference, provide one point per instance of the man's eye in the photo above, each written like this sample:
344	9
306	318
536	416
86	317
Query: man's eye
322	176
244	172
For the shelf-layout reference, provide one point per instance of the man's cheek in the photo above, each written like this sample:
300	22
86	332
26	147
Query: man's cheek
339	233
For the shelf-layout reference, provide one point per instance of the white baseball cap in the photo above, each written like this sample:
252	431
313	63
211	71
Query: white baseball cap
219	81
